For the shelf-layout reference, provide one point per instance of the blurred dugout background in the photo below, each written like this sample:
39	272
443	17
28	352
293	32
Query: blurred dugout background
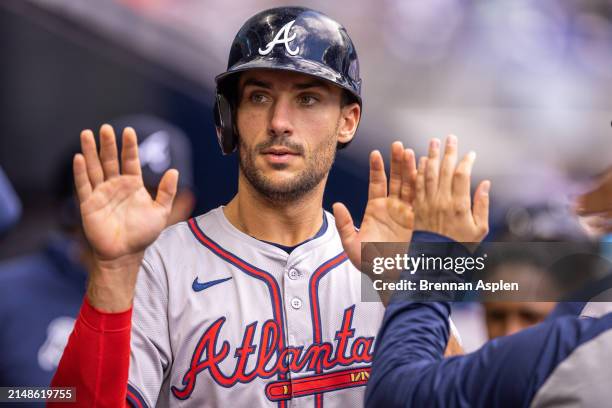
525	84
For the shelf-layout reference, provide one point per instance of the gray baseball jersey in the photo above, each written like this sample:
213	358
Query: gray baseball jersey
223	319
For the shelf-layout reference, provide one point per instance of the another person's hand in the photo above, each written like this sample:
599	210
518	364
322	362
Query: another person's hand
388	215
443	204
120	219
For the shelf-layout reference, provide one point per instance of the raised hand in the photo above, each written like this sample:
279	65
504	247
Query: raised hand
594	208
120	219
388	215
599	199
443	204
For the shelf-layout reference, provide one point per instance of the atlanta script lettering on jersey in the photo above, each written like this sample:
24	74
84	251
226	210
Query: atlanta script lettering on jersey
317	357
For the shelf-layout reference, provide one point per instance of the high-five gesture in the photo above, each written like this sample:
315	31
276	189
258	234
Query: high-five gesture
120	219
388	215
443	204
119	216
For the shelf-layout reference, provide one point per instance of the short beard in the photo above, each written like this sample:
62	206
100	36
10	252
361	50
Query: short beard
318	165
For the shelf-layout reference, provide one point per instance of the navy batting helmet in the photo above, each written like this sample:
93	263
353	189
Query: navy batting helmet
286	38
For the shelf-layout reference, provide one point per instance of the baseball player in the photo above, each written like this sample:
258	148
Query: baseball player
256	302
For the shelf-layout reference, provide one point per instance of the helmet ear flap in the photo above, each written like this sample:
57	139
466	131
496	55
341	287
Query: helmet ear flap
224	124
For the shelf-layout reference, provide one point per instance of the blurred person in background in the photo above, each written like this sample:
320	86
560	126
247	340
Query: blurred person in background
10	205
530	238
40	294
506	317
519	245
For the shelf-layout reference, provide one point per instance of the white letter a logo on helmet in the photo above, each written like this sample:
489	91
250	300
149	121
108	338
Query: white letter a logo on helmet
284	32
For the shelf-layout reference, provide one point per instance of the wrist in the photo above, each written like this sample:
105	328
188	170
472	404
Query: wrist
110	265
112	283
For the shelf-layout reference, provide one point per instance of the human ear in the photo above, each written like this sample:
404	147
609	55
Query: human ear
350	115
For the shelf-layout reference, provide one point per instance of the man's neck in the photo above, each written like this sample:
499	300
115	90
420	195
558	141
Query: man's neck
287	224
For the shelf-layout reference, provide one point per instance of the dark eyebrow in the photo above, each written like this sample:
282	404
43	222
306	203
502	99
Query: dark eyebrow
256	82
301	86
311	84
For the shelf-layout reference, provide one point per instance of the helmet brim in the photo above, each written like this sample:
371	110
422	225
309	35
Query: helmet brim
293	64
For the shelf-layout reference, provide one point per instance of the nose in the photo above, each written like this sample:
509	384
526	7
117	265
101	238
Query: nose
281	120
513	325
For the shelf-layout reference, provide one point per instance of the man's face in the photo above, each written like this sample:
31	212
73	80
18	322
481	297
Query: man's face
289	125
506	318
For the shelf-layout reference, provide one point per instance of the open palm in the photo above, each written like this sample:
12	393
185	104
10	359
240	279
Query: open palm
119	216
388	216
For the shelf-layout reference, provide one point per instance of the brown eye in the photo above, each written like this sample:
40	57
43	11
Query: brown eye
258	98
307	100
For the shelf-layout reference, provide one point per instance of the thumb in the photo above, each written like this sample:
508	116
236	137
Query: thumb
481	207
344	224
167	188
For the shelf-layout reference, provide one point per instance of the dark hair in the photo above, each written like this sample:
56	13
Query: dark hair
347	98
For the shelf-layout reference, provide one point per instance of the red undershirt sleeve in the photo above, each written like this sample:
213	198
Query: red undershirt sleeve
96	359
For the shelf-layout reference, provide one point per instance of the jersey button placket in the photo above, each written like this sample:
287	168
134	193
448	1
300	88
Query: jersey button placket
298	317
296	303
294	274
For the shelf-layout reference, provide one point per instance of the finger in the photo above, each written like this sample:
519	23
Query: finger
378	178
92	161
481	207
461	181
167	189
130	163
432	169
344	224
395	172
81	179
420	181
409	173
448	166
108	152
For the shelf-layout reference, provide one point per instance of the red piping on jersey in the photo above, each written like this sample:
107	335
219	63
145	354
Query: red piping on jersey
315	310
251	270
246	267
133	400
